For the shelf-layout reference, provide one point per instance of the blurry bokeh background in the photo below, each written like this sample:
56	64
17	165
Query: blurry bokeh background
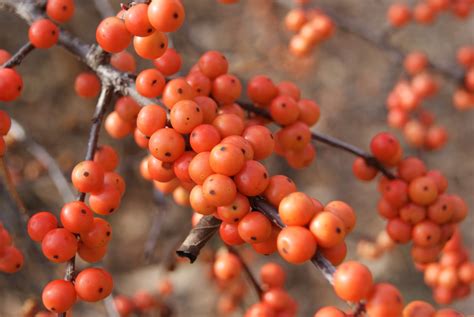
347	76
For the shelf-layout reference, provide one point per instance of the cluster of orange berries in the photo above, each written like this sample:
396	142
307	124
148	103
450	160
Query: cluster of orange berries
426	11
145	23
463	98
274	301
144	302
452	276
405	110
311	27
292	113
60	244
415	203
353	282
81	233
11	258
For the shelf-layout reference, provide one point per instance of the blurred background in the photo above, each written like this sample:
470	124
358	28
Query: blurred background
350	79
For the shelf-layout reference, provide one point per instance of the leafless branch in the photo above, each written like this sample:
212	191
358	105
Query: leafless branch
248	272
18	57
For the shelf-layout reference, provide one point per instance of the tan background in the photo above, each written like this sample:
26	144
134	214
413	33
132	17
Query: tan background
347	76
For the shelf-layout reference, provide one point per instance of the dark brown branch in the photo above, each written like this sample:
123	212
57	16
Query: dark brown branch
18	57
248	272
329	140
198	237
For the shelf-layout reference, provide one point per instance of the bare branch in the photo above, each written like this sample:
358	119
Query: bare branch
19	56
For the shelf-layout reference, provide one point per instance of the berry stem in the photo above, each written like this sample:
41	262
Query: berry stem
248	272
19	56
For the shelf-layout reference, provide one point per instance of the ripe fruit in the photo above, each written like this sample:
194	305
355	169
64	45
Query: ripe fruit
112	35
296	244
93	284
59	296
40	224
11	84
60	10
352	281
43	33
59	245
166	15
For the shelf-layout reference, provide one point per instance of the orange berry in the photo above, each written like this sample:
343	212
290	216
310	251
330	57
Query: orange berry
352	281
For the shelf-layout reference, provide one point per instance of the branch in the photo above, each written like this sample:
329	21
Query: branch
329	140
18	57
45	158
248	272
105	98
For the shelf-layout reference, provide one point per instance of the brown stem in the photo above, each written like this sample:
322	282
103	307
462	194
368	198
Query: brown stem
248	272
329	140
11	189
105	98
18	57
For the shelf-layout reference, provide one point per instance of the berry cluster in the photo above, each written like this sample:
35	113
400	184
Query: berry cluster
404	105
81	232
146	24
426	11
97	178
11	258
145	302
353	282
463	98
452	276
311	27
60	245
414	203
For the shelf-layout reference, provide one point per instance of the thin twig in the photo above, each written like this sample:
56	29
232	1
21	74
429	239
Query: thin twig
18	57
248	272
11	189
329	140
